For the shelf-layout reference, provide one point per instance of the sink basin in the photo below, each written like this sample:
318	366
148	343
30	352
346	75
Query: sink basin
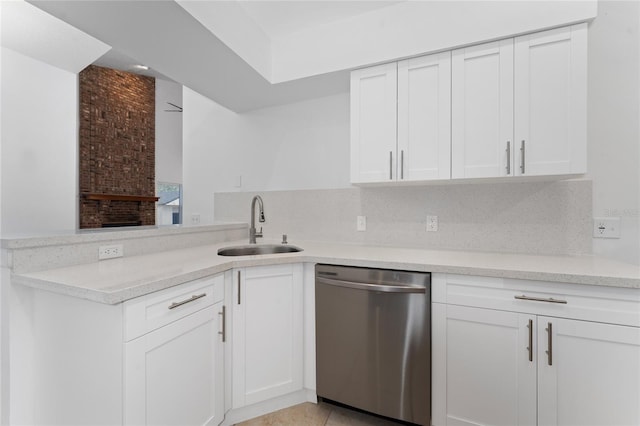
251	250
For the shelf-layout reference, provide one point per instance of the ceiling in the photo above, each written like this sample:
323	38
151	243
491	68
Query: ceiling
279	18
119	61
247	55
36	34
176	46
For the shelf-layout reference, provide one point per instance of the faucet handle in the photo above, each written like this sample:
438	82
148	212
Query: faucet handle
259	233
284	238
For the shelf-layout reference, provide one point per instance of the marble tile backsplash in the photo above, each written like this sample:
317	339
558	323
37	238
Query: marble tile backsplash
523	217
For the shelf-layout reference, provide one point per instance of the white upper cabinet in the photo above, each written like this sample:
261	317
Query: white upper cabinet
373	123
401	121
550	102
482	111
514	107
424	118
519	106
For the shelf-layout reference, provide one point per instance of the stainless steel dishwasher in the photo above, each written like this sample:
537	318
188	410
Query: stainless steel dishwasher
373	340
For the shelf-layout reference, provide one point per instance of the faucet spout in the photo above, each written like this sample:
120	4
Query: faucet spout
252	230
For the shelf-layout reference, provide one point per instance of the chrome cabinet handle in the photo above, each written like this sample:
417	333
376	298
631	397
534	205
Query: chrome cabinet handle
239	287
549	343
508	157
540	299
390	165
530	348
402	164
189	300
522	150
224	323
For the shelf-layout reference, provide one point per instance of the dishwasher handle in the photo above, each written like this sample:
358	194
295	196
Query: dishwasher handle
382	288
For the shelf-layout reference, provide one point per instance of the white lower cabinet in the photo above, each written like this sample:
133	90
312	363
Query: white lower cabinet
591	376
502	360
267	333
489	380
174	375
153	360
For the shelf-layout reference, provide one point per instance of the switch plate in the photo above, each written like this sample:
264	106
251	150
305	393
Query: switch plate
361	223
606	227
109	252
432	223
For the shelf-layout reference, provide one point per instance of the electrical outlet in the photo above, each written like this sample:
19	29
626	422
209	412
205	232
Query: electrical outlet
195	219
606	227
109	252
361	223
432	223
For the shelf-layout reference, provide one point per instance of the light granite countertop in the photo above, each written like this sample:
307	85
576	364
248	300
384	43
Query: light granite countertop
115	280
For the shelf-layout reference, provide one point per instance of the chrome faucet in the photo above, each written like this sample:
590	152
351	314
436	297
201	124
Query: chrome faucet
252	230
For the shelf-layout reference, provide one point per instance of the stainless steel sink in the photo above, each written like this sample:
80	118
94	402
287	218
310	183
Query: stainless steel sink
256	249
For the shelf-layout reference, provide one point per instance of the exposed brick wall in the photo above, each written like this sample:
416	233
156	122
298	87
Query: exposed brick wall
117	145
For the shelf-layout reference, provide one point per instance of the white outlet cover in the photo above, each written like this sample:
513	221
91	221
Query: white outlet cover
432	223
606	227
361	223
110	252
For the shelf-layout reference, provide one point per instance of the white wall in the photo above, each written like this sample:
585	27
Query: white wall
4	300
39	147
207	130
168	132
304	145
613	130
412	28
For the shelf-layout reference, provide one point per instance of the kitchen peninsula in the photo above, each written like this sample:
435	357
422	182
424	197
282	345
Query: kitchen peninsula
113	295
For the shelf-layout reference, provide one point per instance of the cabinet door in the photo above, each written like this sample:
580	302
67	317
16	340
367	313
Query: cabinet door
424	118
267	333
174	375
489	377
589	373
482	111
551	102
373	124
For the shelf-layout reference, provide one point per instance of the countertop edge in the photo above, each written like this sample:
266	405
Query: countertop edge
146	285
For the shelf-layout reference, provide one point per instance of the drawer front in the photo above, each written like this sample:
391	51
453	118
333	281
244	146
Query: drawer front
150	312
564	300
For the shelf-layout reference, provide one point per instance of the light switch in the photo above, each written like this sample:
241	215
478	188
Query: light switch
361	223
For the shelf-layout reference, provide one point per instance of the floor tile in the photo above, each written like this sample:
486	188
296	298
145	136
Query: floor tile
303	414
345	417
322	414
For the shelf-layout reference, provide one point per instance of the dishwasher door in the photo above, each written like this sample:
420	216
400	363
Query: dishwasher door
373	340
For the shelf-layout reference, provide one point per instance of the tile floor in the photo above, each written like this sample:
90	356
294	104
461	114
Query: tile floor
321	414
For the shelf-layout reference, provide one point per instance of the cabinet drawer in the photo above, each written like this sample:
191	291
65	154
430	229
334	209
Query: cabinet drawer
586	302
155	310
